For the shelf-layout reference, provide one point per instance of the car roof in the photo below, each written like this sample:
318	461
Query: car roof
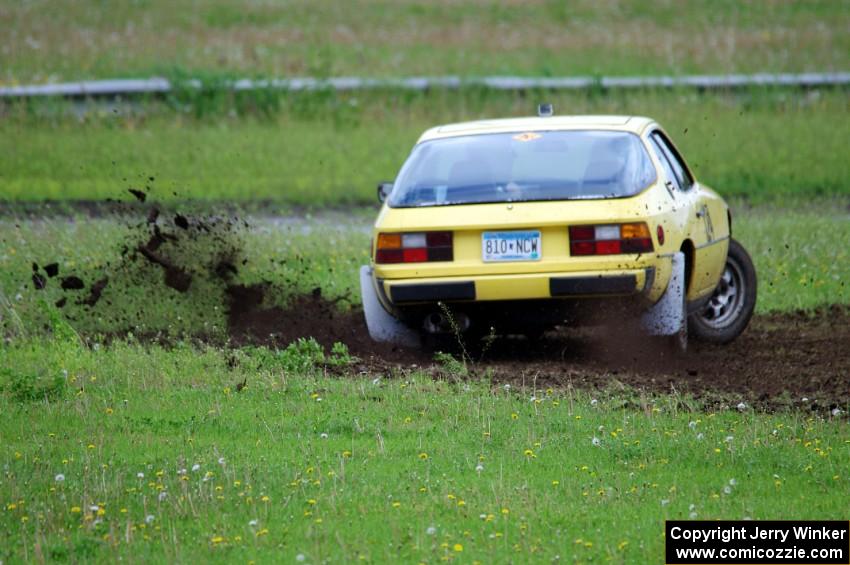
633	124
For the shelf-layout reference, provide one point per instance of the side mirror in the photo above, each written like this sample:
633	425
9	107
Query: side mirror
384	190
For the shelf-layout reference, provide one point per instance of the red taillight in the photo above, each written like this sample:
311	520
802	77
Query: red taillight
610	239
660	233
415	247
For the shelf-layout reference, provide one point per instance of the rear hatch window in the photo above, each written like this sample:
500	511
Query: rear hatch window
523	167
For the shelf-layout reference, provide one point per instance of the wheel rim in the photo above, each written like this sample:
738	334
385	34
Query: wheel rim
727	302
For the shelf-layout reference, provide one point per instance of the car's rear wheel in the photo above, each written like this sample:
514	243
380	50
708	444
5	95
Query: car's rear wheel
725	316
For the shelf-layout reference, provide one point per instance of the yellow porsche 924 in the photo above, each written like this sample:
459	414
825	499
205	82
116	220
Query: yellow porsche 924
516	226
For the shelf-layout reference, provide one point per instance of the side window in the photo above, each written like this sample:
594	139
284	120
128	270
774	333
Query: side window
682	175
665	164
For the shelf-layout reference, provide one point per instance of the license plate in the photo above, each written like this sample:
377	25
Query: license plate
511	246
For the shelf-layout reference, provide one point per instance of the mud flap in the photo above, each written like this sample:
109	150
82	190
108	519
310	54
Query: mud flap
381	324
668	316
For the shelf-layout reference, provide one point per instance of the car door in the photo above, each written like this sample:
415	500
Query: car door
702	215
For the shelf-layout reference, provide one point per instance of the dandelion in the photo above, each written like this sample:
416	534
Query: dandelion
94	508
423	456
264	532
692	515
692	425
264	498
196	467
727	490
221	460
431	530
60	478
729	439
162	496
323	435
665	502
595	441
700	436
253	523
76	510
836	412
300	558
594	402
376	381
479	467
529	453
149	519
140	475
732	482
458	547
741	406
507	387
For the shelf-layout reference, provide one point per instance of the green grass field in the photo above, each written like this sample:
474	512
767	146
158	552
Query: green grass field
759	145
139	453
89	39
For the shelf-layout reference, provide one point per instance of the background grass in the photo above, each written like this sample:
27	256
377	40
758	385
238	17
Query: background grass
89	39
383	470
329	149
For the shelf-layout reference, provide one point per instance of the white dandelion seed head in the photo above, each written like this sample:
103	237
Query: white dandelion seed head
376	381
59	478
65	373
741	406
692	507
221	460
700	435
149	519
196	467
594	402
323	435
836	411
181	471
775	476
692	515
483	516
140	475
162	496
692	425
732	482
665	501
431	530
19	297
727	490
805	399
595	441
775	432
507	387
479	467
94	507
532	399
729	439
253	523
300	558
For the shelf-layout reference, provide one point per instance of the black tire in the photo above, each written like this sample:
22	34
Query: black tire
726	315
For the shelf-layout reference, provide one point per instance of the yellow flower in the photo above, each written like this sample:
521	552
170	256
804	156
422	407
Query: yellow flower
346	453
264	498
461	503
396	504
76	510
505	511
458	547
263	532
311	501
514	415
423	456
217	539
109	411
529	453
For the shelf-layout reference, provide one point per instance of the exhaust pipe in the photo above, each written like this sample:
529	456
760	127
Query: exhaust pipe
439	323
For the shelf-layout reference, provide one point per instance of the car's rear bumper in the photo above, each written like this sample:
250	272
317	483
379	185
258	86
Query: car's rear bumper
518	287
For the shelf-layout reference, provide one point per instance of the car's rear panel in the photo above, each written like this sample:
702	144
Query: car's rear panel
528	279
